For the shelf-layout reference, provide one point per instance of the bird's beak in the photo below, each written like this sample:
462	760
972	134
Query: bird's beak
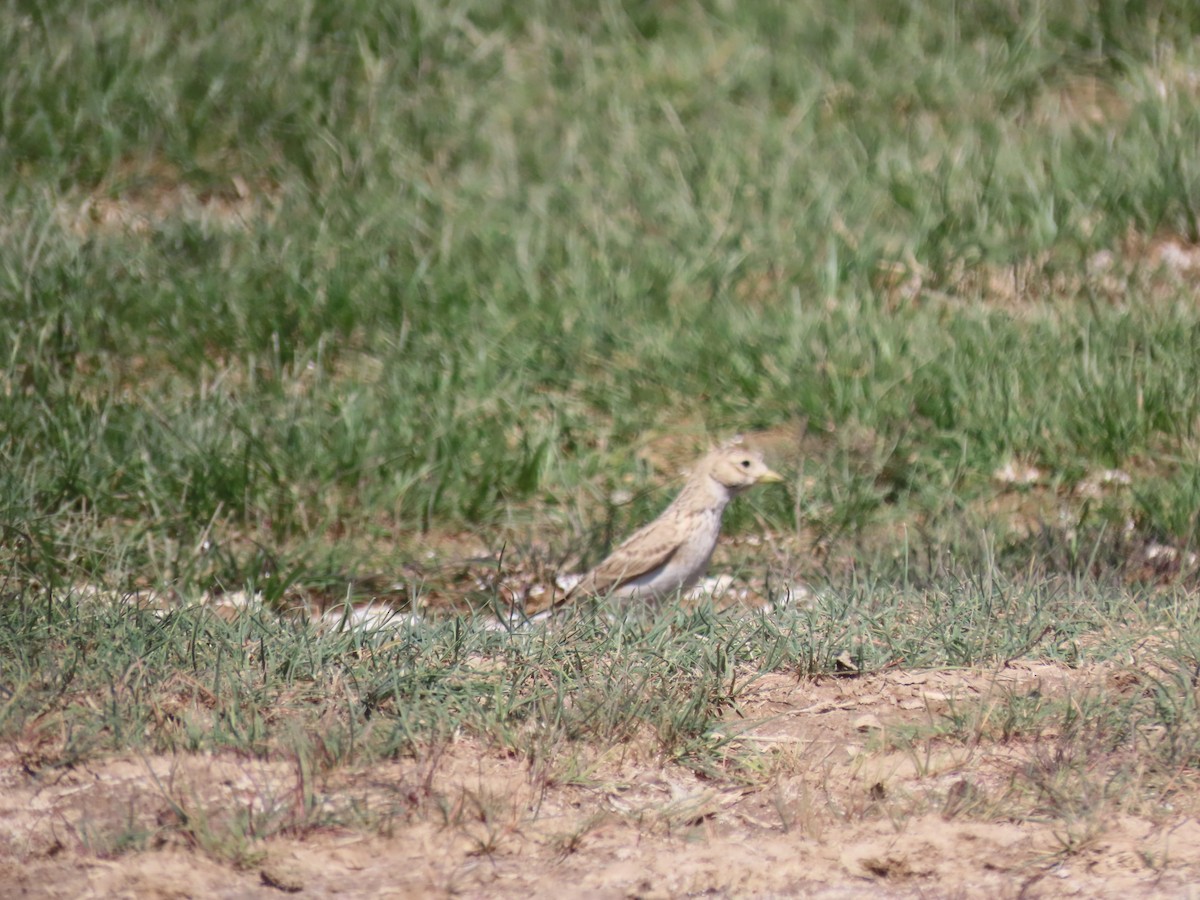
769	477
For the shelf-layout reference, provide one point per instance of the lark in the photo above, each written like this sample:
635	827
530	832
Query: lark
672	552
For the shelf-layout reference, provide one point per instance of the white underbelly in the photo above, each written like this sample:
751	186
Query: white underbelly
685	567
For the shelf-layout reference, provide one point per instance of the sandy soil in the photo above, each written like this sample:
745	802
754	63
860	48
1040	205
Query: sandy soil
836	807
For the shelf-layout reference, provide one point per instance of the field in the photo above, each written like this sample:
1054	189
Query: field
332	335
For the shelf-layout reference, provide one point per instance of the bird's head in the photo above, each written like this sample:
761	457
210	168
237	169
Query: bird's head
738	468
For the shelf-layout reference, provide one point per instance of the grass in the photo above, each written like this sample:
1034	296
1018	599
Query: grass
293	297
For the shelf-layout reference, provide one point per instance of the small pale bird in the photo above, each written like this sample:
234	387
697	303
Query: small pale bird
672	552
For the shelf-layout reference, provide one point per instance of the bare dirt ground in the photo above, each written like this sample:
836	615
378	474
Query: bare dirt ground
837	803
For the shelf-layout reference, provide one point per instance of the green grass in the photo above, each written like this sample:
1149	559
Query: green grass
522	301
86	679
188	680
290	294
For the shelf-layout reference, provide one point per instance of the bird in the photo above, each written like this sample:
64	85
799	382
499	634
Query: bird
671	553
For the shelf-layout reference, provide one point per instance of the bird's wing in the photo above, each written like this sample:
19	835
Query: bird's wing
642	552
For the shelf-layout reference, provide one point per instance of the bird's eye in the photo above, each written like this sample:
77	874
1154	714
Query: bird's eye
745	463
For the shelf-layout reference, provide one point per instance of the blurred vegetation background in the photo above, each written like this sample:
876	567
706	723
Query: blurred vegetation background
302	286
